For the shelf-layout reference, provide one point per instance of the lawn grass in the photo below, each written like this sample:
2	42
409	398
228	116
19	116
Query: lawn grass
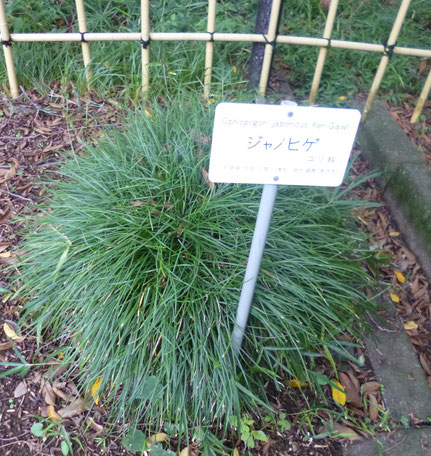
116	66
134	269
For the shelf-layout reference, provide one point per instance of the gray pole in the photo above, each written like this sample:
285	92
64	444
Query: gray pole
263	221
256	251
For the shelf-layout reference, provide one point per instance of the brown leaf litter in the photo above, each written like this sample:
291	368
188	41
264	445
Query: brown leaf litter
35	132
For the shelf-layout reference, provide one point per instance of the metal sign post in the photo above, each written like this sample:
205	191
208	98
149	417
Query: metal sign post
277	145
263	221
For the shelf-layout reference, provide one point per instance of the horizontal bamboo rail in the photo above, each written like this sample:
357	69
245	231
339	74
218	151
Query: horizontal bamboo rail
222	37
211	36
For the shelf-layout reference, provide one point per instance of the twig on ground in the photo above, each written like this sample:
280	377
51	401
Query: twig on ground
17	196
38	108
20	138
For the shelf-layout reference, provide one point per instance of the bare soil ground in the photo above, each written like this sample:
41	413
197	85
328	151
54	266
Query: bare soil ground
34	132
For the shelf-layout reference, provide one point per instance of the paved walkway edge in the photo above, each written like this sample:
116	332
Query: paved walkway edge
406	180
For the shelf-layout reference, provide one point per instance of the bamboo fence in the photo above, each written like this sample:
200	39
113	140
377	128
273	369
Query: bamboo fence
211	37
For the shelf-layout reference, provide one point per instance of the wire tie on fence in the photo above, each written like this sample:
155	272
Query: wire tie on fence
145	43
388	49
6	43
272	43
329	42
212	37
83	40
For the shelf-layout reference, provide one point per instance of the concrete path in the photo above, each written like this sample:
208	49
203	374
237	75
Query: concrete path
406	181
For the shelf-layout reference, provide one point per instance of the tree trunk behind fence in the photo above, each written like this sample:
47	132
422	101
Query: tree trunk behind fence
262	24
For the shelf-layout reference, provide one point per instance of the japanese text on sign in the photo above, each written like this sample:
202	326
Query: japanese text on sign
290	145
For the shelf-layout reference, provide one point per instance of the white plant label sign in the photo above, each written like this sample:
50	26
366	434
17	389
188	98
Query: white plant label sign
281	144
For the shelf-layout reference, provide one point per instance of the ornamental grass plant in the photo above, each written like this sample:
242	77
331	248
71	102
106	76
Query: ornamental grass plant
134	266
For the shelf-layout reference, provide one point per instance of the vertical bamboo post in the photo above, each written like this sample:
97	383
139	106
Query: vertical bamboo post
323	51
272	30
209	51
145	40
82	24
385	58
422	98
5	41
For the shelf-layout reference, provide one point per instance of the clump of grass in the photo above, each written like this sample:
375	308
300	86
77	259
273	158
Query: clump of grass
135	267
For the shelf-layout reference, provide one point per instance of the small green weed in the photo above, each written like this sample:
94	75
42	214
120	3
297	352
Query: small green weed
46	429
246	433
279	421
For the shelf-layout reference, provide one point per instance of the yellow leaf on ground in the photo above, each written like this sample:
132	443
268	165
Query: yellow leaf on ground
400	277
11	333
394	233
235	452
342	97
5	254
148	113
410	325
157	438
185	452
95	388
296	384
395	298
338	394
52	414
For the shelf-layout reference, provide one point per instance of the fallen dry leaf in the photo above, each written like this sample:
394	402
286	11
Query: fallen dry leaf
95	388
10	172
157	438
296	384
5	346
48	394
95	426
347	432
338	393
20	390
185	452
11	333
352	393
394	297
410	325
61	394
373	407
52	414
400	276
9	260
369	387
76	407
425	364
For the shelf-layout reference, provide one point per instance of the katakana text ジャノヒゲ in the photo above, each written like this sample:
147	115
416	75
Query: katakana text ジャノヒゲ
285	144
